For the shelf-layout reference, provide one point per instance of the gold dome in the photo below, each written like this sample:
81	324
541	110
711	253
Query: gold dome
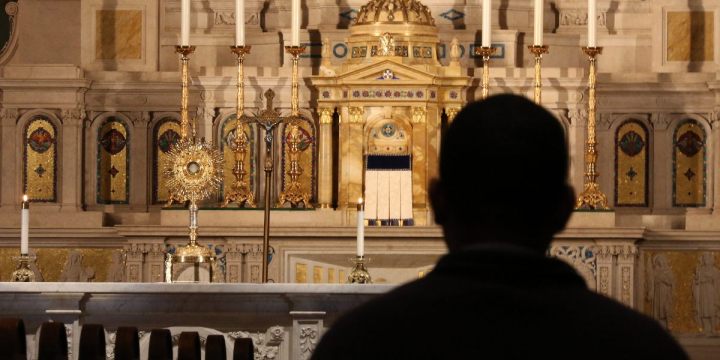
394	12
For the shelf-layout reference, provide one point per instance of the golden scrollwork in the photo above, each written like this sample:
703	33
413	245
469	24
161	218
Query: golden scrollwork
418	115
294	193
451	113
356	115
485	53
591	198
538	51
386	46
326	116
194	171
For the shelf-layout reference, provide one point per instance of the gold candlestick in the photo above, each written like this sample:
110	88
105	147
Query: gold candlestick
591	198
23	273
185	127
359	273
240	190
295	51
185	52
538	51
293	192
485	52
194	172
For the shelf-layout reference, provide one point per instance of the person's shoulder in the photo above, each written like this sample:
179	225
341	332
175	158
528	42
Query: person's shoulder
376	322
629	331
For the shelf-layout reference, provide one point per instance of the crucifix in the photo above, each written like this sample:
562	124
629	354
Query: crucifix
268	119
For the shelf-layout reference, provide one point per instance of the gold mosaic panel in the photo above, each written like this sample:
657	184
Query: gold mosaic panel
229	156
161	158
51	261
683	264
306	159
689	165
341	276
690	36
118	34
631	165
40	154
300	273
331	275
113	163
317	274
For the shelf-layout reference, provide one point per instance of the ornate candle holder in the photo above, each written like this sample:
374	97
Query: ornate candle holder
293	193
538	51
23	273
485	52
240	190
185	128
194	172
591	198
359	273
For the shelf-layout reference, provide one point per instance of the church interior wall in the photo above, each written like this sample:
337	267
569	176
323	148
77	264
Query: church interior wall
658	68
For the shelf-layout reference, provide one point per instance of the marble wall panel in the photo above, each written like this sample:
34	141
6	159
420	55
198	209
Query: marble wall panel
118	34
690	36
52	262
685	275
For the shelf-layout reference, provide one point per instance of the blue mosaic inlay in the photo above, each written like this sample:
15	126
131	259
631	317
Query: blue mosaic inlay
452	15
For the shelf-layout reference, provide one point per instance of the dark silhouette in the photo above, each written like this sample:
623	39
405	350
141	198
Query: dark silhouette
160	345
53	342
12	339
501	196
92	342
244	349
127	343
215	348
189	346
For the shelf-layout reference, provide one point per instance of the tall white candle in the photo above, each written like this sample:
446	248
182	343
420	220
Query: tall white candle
361	228
25	226
295	23
486	22
185	22
239	22
538	31
592	23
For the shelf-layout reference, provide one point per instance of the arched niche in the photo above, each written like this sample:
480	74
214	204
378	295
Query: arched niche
632	159
113	160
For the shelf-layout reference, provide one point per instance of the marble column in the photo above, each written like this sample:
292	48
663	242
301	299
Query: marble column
661	178
626	258
325	157
155	262
253	263
139	194
351	161
714	167
234	258
71	161
605	276
306	332
9	187
134	262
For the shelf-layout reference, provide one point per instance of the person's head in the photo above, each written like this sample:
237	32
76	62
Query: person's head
503	175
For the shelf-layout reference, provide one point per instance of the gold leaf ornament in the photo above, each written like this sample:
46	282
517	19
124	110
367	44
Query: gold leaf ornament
194	170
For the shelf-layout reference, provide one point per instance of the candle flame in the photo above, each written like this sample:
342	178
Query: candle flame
360	200
25	198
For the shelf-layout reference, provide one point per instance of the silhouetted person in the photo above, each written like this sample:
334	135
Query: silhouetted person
501	195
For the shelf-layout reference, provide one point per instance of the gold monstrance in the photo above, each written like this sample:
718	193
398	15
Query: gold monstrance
194	172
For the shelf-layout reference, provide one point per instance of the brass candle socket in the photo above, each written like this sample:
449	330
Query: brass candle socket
591	198
486	52
359	273
23	273
538	51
